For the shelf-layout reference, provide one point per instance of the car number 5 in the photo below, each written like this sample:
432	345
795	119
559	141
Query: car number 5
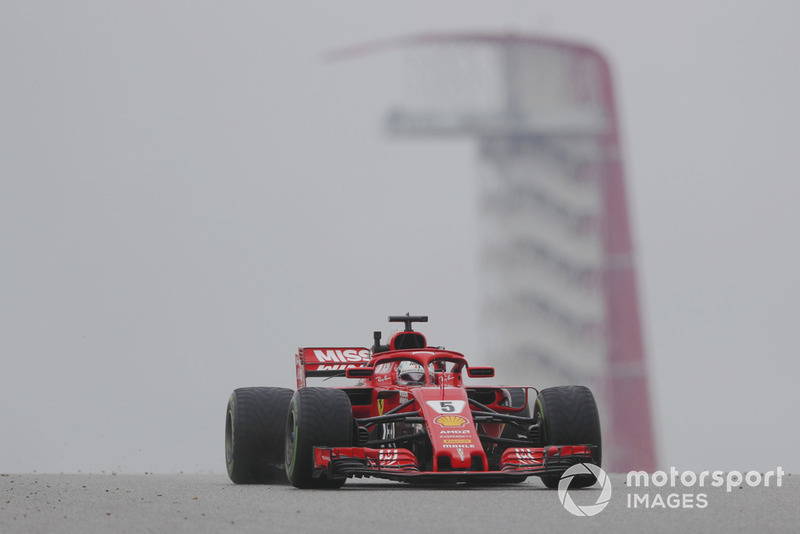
447	407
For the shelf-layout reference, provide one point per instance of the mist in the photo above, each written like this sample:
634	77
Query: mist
189	192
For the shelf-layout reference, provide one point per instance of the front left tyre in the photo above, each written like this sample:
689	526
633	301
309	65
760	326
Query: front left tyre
255	422
568	415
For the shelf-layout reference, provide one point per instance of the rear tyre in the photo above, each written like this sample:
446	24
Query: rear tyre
568	416
318	417
255	423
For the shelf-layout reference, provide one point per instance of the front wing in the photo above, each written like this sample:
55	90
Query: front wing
517	463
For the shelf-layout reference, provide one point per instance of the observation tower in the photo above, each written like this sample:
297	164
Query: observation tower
559	301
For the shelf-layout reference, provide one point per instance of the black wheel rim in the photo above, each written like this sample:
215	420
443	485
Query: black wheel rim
290	437
229	440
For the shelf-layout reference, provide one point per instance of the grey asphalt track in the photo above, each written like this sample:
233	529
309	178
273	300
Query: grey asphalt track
210	503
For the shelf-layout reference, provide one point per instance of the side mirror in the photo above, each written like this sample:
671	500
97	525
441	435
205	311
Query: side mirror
360	372
480	372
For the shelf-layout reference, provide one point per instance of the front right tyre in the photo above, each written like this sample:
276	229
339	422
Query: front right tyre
318	417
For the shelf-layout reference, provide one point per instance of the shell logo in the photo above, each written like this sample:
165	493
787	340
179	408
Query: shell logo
451	421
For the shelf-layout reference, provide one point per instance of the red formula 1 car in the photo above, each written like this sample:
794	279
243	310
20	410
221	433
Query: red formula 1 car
408	417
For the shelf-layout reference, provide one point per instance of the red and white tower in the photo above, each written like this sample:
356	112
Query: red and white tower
559	297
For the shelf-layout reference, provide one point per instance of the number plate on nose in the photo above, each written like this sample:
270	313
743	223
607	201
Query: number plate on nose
447	406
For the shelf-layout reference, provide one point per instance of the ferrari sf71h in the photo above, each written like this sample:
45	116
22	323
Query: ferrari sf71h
408	416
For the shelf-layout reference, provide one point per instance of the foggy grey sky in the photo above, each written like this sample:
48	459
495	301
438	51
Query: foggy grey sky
188	193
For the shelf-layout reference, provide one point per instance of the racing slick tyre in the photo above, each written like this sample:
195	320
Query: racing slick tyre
568	416
254	435
318	417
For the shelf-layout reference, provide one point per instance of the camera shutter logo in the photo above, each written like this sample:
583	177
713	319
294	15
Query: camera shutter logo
602	499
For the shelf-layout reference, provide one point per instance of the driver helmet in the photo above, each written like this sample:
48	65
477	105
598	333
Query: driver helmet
410	372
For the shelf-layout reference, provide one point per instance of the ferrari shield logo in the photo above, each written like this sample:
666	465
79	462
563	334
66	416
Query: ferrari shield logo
380	406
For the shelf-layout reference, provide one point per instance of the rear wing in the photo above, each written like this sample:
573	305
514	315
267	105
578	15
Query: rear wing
328	361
